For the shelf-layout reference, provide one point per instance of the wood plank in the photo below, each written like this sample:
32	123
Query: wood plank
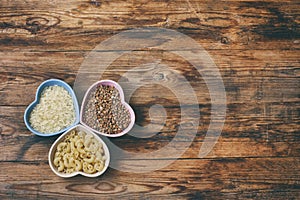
252	76
199	178
217	25
36	149
244	135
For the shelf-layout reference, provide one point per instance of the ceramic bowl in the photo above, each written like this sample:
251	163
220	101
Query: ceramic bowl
127	106
50	82
61	138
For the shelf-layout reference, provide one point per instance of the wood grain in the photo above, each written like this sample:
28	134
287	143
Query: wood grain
265	72
206	178
215	24
254	44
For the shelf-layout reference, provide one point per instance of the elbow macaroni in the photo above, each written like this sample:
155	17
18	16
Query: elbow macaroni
79	151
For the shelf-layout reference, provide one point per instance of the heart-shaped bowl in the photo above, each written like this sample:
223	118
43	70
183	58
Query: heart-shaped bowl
69	137
47	83
87	98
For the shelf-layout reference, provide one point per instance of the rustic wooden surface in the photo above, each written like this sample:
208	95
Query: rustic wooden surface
256	46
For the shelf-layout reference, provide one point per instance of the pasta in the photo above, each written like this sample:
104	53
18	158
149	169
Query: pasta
79	151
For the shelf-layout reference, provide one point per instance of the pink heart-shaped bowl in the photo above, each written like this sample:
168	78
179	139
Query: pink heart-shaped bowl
87	100
70	155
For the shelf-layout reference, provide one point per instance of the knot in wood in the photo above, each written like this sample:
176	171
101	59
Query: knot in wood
158	76
224	40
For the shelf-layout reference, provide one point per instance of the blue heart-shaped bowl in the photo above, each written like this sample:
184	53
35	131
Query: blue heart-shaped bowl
47	83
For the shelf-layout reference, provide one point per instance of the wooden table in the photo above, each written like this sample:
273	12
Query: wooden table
255	45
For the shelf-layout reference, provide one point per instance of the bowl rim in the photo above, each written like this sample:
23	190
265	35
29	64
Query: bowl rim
88	131
128	107
36	101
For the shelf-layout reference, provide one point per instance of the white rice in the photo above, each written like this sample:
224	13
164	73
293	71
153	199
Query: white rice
54	112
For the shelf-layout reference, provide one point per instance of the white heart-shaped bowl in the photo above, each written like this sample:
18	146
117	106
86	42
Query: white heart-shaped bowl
61	138
127	106
47	83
